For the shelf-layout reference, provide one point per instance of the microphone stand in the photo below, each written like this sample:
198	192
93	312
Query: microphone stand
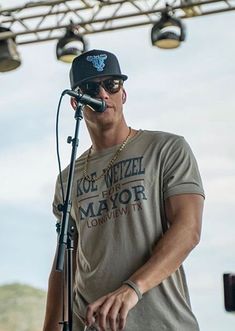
65	238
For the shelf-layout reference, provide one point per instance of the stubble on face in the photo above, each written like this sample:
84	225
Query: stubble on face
112	116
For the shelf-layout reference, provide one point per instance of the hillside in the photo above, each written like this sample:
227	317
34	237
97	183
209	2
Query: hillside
21	308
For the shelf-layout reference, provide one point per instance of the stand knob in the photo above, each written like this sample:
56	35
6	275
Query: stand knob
69	139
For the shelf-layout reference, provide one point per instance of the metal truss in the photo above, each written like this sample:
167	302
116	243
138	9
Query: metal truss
47	20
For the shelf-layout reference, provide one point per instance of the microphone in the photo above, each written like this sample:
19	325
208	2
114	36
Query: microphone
97	105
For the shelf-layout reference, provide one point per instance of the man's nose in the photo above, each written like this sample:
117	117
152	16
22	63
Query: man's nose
103	94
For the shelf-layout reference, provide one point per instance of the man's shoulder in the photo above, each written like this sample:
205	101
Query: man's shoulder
162	136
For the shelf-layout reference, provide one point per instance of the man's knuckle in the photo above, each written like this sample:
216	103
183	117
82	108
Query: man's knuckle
89	308
102	313
122	319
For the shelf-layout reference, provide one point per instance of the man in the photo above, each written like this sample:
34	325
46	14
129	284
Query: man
137	204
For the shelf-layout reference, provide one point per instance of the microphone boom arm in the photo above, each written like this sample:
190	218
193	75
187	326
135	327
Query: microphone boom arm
97	105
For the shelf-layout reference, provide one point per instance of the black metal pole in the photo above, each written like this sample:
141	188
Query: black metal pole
65	240
70	282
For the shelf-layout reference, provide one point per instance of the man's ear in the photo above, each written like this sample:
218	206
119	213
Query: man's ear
73	103
124	96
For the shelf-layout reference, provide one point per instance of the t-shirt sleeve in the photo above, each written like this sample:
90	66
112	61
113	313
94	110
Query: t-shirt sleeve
181	174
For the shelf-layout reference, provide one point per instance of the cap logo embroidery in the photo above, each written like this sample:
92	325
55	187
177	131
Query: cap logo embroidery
97	61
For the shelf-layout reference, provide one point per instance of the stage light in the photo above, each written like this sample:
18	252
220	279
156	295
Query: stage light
9	57
70	46
168	32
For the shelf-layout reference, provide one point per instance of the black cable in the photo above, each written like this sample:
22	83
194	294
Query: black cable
57	148
63	198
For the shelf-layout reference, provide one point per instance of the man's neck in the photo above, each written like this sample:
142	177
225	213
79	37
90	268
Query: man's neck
109	137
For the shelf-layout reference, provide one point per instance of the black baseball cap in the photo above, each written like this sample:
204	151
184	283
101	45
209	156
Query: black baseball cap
94	64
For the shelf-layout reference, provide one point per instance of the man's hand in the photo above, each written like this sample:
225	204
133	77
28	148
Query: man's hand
111	310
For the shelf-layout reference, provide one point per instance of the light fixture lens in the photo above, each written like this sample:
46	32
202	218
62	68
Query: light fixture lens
167	40
68	55
67	58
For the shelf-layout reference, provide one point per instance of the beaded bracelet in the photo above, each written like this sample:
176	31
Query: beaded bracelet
134	287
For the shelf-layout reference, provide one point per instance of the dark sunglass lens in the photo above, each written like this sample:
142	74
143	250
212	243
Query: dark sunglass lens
112	85
90	88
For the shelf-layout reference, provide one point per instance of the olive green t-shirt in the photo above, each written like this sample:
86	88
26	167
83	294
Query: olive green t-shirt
121	217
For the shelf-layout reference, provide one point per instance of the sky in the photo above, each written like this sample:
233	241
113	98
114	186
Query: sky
188	91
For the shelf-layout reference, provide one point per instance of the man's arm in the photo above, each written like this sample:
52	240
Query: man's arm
54	305
184	213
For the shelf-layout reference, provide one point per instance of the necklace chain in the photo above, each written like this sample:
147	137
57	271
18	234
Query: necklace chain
111	162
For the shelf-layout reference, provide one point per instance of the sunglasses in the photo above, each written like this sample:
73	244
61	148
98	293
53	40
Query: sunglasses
111	86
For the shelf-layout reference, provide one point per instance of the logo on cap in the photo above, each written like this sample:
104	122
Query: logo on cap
97	61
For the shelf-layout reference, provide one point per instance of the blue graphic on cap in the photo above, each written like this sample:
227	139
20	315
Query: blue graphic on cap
97	61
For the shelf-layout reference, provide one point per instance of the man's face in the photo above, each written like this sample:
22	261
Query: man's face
109	89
